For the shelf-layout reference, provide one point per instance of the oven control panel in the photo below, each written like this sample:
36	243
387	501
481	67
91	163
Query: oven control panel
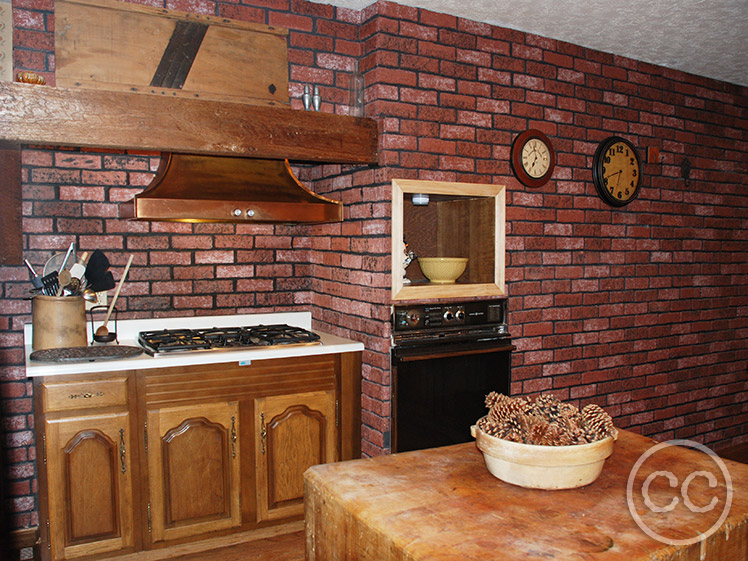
441	316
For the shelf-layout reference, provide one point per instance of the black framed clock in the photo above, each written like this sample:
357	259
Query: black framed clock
617	171
533	158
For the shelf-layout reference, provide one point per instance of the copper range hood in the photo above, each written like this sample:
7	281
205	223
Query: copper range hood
196	188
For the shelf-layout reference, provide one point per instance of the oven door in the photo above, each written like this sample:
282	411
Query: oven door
439	389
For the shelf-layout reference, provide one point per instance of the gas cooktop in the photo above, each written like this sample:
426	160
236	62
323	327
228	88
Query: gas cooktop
167	341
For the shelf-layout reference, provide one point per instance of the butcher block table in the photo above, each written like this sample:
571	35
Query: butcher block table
443	504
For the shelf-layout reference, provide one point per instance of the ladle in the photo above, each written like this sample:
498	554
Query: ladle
102	334
89	295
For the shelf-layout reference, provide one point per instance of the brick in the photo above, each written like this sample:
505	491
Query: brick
83	161
31	39
290	21
56	176
431	81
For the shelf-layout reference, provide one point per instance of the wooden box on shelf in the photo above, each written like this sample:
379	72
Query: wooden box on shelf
459	220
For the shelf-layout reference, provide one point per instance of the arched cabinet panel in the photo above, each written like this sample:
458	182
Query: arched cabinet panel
292	433
90	485
193	465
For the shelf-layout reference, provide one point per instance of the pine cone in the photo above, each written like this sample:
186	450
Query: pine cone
597	423
492	398
547	405
568	410
570	427
507	407
537	432
488	426
511	429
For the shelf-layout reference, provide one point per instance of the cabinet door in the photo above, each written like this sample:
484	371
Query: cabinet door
293	432
89	485
193	470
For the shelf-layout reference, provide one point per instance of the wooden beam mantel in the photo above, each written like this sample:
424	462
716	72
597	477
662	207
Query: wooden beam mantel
34	114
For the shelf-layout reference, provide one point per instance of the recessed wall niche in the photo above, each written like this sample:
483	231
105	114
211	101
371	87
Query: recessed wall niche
459	220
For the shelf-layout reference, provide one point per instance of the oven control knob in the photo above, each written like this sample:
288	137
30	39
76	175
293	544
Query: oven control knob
449	315
460	315
413	318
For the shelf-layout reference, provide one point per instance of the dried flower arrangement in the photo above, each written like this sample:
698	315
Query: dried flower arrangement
546	421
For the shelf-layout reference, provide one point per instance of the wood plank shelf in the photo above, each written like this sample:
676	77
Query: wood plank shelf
33	114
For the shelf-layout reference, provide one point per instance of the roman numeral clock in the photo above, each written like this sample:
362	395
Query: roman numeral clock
533	158
616	171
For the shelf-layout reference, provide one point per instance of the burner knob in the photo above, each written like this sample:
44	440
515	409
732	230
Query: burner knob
460	314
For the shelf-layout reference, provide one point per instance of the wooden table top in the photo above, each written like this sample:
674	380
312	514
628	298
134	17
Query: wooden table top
443	504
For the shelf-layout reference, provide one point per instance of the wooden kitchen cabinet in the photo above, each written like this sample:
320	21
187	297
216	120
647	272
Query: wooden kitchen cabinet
90	485
193	470
295	432
162	458
87	459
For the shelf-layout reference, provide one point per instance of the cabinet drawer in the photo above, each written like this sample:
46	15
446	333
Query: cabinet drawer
63	396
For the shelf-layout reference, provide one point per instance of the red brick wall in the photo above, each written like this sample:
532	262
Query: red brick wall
643	310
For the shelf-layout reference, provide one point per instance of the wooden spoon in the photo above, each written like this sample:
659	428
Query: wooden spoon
64	278
102	331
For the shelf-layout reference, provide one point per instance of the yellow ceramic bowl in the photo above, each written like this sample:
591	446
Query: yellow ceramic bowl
442	270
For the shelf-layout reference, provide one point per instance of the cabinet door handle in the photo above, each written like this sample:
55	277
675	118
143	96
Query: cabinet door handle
263	431
233	436
122	450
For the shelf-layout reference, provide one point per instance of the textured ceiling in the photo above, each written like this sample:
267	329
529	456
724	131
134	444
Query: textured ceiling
703	37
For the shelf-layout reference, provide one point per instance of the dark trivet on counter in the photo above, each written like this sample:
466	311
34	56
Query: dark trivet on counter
86	354
224	338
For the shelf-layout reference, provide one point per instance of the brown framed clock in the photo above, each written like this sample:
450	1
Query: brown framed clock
617	171
533	158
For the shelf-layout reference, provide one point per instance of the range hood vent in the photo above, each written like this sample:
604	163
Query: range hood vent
196	188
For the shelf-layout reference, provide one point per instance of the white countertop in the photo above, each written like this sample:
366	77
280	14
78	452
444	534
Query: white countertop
127	334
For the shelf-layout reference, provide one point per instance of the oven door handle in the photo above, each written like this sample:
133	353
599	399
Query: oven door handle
411	354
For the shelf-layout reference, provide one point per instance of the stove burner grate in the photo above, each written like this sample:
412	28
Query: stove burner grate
216	338
282	334
173	340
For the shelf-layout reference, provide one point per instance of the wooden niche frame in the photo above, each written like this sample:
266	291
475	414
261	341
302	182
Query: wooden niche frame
461	220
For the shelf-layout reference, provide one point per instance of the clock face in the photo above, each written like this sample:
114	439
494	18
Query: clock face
533	158
617	171
536	158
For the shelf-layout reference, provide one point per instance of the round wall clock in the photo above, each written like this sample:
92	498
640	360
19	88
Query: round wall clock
617	171
533	158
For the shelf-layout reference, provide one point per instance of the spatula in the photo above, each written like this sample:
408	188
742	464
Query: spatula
50	284
98	278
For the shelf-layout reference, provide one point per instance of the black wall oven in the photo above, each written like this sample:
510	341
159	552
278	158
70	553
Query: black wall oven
445	359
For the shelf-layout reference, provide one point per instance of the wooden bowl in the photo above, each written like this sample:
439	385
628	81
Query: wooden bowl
442	270
543	467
